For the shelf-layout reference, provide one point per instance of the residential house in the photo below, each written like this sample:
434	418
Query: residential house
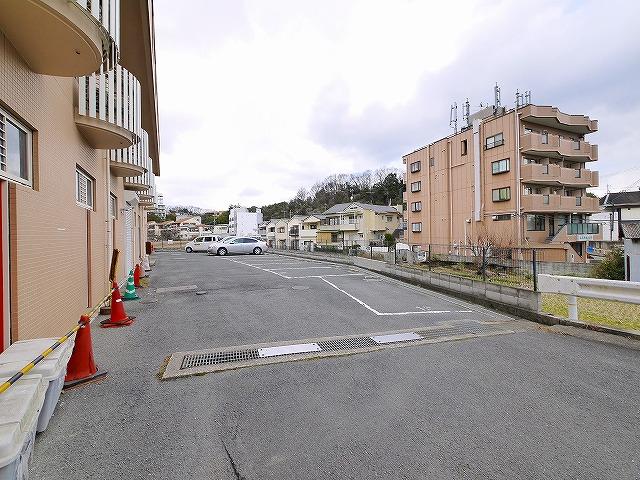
355	223
514	177
631	236
262	230
271	232
79	146
282	233
220	229
309	230
617	209
294	226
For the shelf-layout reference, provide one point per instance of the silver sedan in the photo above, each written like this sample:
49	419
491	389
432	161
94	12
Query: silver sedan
240	245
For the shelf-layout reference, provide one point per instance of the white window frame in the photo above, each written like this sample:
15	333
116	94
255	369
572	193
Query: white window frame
414	167
500	166
416	227
89	187
416	206
494	141
4	118
113	206
418	186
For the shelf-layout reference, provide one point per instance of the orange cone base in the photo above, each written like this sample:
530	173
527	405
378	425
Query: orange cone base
99	373
124	323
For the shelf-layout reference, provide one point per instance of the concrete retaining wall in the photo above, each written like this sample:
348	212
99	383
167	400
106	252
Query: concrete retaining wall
524	303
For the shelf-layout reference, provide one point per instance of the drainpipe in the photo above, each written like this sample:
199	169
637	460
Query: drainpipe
109	245
518	179
450	195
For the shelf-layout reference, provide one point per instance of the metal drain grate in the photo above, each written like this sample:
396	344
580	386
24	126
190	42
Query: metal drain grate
184	364
346	344
216	358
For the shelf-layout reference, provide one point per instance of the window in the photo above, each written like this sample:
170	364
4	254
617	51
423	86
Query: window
500	166
535	223
198	240
494	141
415	167
389	218
463	147
113	205
313	226
545	199
501	194
432	162
84	189
15	150
578	201
208	239
502	217
416	186
544	138
280	229
527	130
416	206
416	227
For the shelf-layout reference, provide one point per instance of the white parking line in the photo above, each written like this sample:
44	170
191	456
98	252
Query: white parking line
331	275
259	268
300	268
386	314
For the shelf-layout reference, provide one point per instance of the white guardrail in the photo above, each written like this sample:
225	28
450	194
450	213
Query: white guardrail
572	287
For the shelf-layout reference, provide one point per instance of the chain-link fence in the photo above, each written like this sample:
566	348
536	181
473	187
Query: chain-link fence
511	266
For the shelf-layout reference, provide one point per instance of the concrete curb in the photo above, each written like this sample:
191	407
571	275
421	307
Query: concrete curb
536	317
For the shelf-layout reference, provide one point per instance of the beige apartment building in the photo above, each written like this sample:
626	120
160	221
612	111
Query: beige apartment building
78	154
514	177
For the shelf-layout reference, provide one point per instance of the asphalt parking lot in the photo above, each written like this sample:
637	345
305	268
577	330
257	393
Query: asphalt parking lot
530	402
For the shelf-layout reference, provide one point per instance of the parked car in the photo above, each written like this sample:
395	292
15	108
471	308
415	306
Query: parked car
246	245
202	243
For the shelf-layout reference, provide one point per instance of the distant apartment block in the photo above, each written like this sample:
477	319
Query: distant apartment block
242	222
510	177
161	208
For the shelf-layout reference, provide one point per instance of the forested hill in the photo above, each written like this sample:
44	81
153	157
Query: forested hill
380	187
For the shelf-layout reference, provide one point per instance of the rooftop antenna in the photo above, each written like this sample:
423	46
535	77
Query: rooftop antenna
465	112
453	117
527	97
519	99
496	92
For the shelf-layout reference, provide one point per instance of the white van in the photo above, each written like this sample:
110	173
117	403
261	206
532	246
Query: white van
201	244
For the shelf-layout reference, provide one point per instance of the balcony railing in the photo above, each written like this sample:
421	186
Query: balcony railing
559	203
132	162
556	175
110	109
342	226
552	117
583	228
548	145
65	38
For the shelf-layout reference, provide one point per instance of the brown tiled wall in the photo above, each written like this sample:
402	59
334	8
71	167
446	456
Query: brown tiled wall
48	235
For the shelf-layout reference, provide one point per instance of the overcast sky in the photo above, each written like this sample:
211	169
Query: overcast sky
261	97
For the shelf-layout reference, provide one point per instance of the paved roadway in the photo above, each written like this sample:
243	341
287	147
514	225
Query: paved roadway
538	403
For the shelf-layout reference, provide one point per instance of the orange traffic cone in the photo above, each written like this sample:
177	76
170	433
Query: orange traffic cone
136	277
82	367
119	317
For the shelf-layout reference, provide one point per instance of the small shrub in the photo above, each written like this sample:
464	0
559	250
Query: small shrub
611	267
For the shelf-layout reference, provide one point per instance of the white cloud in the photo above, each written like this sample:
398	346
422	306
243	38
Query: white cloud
260	98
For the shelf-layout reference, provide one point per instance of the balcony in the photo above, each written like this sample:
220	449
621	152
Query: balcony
555	147
66	38
559	203
578	232
109	109
130	162
141	183
556	175
308	233
340	227
554	118
294	232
